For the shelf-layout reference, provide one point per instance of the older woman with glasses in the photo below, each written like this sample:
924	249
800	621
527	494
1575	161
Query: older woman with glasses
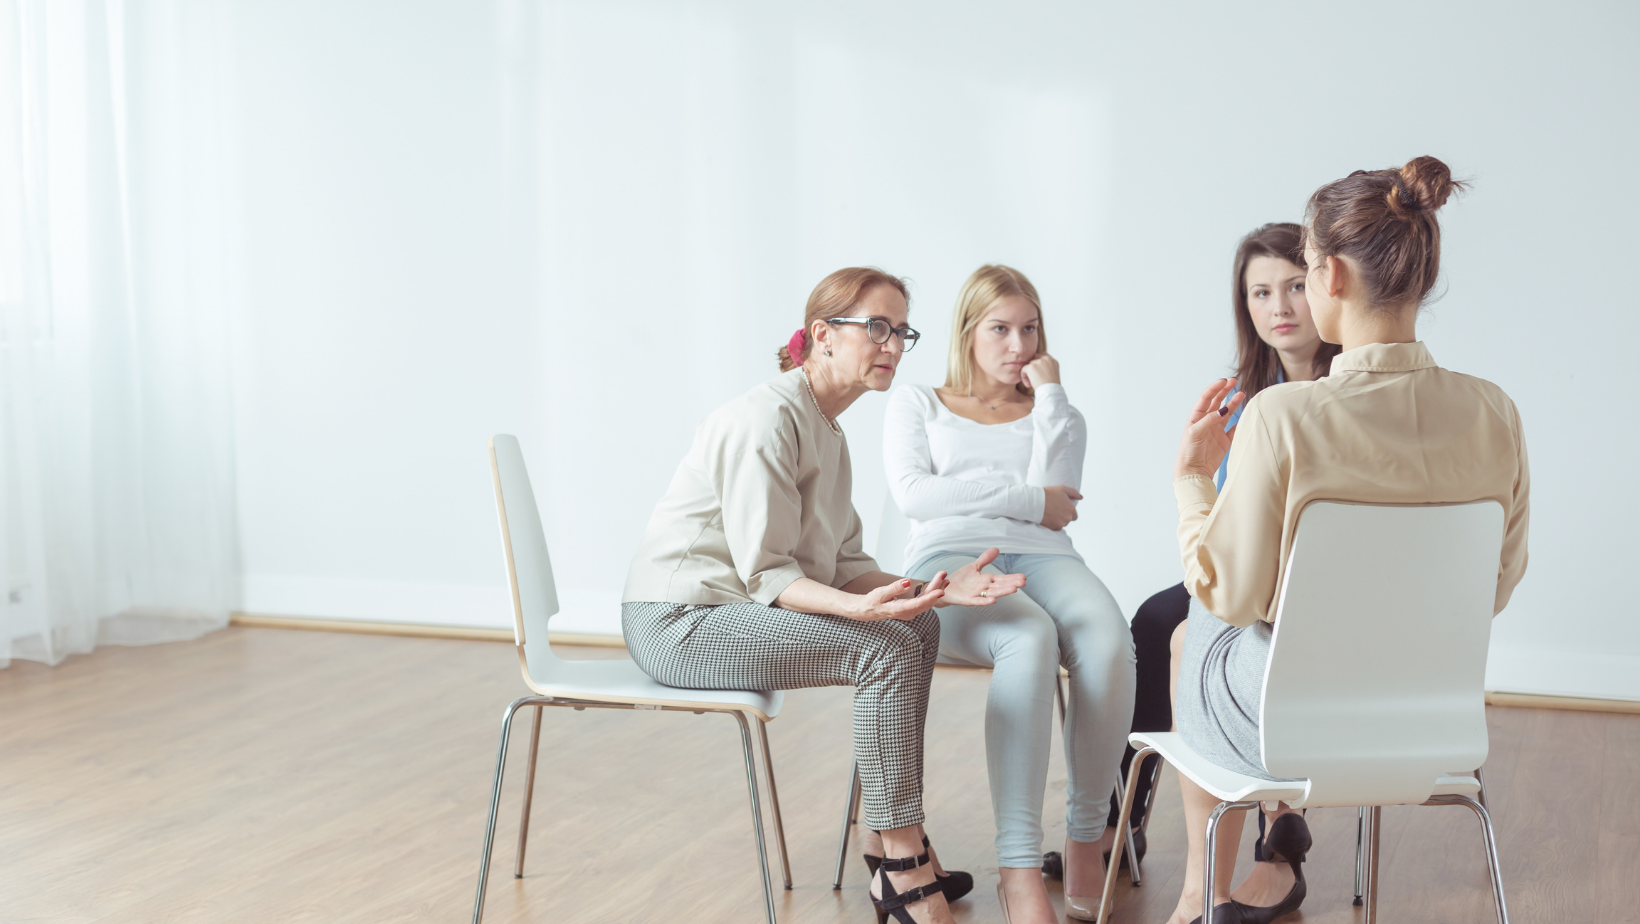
751	574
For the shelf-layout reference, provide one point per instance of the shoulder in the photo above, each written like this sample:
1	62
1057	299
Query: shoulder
916	398
1281	399
763	415
1489	393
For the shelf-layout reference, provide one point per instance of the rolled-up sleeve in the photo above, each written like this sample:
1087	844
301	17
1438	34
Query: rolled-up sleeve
762	510
1231	542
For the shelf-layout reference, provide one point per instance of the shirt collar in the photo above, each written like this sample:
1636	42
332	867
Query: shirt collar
1384	357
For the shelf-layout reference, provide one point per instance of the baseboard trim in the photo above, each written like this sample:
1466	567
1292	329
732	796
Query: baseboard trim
415	630
478	634
1570	703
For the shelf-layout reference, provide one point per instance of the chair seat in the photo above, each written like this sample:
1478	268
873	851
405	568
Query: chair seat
624	682
1230	786
1226	785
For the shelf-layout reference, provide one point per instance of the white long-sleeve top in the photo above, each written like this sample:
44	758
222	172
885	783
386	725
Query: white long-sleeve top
967	486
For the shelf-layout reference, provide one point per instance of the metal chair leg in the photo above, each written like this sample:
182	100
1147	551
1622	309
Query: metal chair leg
1150	795
529	794
774	800
1135	766
757	813
1482	780
495	801
1360	850
1212	851
850	809
1375	823
1491	847
1133	855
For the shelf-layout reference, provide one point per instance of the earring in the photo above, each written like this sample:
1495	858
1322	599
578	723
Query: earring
828	351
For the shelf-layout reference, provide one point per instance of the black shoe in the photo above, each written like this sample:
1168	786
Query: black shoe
892	902
1232	913
1053	865
1287	841
955	883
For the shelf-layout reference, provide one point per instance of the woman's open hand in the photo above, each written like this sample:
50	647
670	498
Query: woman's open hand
1206	442
970	586
1041	370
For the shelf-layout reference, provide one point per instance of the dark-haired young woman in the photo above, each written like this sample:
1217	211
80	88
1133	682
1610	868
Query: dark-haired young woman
1276	341
1387	426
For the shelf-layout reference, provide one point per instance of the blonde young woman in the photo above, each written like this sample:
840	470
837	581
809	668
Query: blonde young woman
751	576
993	459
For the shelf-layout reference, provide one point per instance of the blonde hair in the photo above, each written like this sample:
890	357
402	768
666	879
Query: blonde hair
835	297
988	285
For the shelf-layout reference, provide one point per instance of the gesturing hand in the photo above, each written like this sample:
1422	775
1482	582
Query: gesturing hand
969	586
1206	442
886	602
1041	370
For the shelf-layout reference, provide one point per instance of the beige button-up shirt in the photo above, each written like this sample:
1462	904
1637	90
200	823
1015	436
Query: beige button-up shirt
1386	426
762	499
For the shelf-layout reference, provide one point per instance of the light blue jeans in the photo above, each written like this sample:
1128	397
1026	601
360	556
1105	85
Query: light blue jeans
1064	615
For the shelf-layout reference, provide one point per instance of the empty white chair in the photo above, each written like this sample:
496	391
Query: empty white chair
1374	688
618	684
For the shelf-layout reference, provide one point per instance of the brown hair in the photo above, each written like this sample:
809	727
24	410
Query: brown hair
1258	365
988	285
835	297
1384	222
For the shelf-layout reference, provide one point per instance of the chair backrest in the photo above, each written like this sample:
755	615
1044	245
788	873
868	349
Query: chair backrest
893	534
1375	683
524	546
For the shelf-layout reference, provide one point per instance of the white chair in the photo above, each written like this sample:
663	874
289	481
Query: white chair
1374	687
593	684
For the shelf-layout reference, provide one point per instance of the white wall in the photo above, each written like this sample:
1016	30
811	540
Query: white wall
589	223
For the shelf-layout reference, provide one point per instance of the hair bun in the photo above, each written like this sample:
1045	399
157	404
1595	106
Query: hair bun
1424	183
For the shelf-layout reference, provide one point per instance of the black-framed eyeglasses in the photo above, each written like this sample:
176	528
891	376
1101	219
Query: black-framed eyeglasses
879	330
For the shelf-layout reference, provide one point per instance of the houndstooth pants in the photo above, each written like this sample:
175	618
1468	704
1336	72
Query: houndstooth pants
747	646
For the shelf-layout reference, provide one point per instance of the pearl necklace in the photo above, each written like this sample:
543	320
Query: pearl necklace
816	402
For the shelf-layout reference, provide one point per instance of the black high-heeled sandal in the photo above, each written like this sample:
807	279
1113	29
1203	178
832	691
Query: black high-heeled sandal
1286	842
954	882
892	902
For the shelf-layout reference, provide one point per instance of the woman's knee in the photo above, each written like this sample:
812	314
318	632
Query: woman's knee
1158	616
1030	643
894	646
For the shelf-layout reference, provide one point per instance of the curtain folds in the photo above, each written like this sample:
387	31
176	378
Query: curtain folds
117	522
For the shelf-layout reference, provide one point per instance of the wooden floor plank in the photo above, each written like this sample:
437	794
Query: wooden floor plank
262	775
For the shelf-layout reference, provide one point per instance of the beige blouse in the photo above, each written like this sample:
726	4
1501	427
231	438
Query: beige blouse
1386	426
762	499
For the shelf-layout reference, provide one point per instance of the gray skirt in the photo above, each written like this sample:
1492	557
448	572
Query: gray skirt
1221	685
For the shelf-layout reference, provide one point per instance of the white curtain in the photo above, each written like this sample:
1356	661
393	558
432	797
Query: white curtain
117	517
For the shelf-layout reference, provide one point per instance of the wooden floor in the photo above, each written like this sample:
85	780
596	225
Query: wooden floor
261	775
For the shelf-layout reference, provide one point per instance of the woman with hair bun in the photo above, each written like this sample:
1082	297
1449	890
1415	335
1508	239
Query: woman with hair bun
994	458
751	575
1387	426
